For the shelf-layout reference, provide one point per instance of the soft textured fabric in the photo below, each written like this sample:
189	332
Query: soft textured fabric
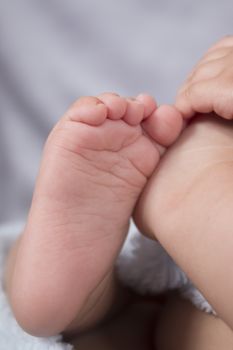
147	268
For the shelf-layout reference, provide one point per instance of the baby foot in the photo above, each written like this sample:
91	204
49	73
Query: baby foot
187	205
95	164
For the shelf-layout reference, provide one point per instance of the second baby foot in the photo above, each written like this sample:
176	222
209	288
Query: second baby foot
96	162
187	205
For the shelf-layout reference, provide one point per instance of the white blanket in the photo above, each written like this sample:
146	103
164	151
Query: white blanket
146	267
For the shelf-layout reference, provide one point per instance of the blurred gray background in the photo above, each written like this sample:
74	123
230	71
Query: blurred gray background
53	51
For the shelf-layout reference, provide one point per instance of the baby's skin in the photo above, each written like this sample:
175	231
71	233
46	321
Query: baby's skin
95	164
209	87
188	202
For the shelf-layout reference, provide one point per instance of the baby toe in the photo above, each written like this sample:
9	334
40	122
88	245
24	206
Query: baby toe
149	104
164	125
134	112
115	104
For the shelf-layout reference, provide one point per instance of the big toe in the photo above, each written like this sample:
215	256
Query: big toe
164	125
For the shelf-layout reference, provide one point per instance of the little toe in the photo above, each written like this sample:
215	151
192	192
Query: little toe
149	103
89	110
164	125
116	105
134	112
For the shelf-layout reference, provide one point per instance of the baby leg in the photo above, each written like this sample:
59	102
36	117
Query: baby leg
95	164
188	205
